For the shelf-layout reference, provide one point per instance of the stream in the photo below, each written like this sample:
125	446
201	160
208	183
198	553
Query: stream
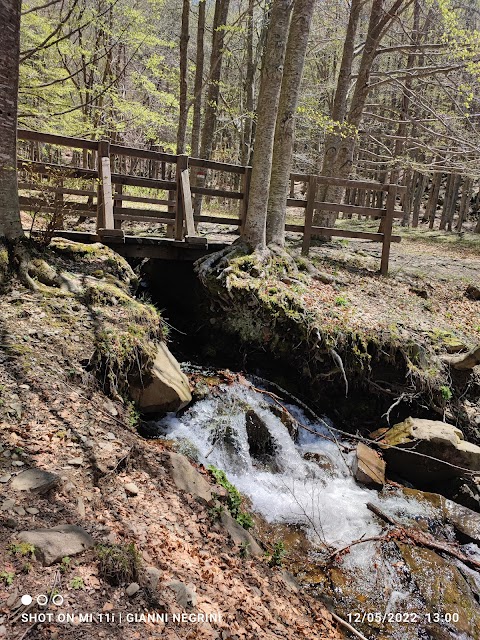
297	472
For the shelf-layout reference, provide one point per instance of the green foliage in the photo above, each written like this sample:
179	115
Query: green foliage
76	583
341	301
118	564
446	393
65	564
22	549
7	577
277	556
234	499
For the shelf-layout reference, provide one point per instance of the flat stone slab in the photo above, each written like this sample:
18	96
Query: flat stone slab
240	536
35	480
51	545
187	478
368	468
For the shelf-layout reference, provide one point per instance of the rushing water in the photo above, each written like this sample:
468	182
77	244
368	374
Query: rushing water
307	482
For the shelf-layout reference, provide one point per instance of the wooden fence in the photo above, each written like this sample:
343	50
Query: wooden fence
105	172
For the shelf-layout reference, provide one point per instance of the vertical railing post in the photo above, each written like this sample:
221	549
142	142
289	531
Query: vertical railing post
104	202
182	165
387	228
311	195
246	178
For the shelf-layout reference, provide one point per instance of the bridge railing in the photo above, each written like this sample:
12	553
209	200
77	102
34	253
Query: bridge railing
108	168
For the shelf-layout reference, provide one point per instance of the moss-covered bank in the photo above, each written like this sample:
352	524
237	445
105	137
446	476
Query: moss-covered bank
264	308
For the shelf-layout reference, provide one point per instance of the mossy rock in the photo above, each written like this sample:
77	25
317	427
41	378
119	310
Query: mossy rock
443	588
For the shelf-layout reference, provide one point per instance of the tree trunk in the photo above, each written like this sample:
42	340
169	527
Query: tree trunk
285	127
453	201
433	199
254	232
211	105
338	148
446	201
183	105
10	223
417	202
197	89
247	133
465	203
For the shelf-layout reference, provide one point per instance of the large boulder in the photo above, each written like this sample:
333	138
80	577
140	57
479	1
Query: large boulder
167	388
51	545
432	438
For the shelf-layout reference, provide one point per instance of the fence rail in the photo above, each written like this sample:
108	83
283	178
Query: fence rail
105	164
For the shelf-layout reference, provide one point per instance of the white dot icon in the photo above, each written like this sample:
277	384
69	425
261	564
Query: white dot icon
26	599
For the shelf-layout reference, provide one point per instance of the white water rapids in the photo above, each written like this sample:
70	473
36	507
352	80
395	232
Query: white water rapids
324	498
319	493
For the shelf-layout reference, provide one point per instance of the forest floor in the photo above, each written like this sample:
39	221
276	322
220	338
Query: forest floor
54	416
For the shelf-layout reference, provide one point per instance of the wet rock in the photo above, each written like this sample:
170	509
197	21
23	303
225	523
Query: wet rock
465	491
184	594
187	478
132	589
465	521
168	388
287	420
433	438
260	441
35	480
51	545
240	536
443	587
368	467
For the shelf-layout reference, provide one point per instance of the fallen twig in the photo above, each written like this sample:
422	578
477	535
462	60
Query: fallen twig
348	626
415	536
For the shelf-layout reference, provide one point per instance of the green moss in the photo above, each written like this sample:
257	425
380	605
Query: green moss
234	499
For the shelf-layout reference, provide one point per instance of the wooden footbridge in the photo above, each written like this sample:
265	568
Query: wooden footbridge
115	184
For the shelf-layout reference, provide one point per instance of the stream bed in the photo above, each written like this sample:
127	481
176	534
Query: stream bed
295	471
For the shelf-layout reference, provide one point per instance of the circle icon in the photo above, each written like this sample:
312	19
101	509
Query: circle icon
26	599
42	600
57	599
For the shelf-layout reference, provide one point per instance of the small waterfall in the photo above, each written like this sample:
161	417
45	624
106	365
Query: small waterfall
306	481
310	484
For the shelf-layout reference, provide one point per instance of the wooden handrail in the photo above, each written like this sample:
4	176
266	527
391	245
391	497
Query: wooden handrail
51	138
180	217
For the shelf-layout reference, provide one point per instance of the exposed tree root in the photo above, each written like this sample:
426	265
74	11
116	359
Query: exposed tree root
464	362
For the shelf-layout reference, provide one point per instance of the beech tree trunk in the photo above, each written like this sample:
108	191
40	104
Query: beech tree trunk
339	150
285	127
431	209
249	88
254	232
183	105
10	223
197	88
465	203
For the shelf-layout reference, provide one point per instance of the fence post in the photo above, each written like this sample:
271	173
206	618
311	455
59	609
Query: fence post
182	165
104	187
246	178
307	231
387	229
